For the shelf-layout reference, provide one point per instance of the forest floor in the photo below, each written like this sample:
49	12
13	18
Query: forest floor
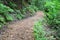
21	30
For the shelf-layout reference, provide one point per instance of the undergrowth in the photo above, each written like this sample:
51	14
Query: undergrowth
40	33
10	10
52	16
4	14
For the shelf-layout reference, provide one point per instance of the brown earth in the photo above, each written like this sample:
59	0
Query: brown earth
21	30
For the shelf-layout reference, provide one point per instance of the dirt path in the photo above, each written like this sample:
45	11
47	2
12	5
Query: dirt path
21	30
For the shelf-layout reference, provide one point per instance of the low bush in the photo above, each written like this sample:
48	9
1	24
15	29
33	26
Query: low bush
39	32
11	10
4	13
52	12
52	16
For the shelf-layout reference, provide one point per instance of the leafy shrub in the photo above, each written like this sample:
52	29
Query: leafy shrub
39	32
9	10
53	15
32	9
4	13
19	15
38	3
51	9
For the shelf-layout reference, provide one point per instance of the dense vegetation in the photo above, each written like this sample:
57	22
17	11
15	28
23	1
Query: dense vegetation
40	32
17	9
52	18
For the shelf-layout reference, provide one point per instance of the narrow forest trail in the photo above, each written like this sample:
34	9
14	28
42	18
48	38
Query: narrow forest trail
21	30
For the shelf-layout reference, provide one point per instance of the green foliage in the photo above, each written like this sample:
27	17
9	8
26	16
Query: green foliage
32	9
4	13
8	17
53	15
39	32
2	19
19	15
12	5
10	9
38	3
51	9
4	8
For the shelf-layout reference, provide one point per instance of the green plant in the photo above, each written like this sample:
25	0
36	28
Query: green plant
39	32
38	3
53	15
32	9
19	15
4	13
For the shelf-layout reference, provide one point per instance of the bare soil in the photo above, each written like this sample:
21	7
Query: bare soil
20	30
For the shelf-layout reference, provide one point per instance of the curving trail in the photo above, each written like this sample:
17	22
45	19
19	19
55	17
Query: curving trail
21	30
